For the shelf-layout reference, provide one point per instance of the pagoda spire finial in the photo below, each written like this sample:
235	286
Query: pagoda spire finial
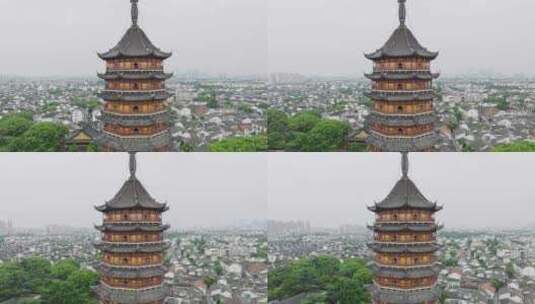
405	164
402	12
135	12
133	164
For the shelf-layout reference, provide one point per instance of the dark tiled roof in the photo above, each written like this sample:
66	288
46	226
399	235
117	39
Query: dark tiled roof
135	75
396	227
405	194
402	75
132	227
132	195
134	43
402	43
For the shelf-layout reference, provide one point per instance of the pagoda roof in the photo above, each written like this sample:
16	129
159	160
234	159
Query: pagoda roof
402	42
402	75
132	195
134	43
405	194
132	227
131	272
135	75
396	227
402	144
406	273
405	297
131	296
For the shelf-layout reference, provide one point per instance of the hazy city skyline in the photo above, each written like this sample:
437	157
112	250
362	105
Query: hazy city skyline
244	37
478	190
202	190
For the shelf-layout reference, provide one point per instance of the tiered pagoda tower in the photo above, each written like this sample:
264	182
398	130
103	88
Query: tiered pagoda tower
402	118
404	243
132	246
135	116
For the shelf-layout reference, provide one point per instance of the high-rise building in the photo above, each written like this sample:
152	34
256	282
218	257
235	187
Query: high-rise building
132	245
402	117
405	245
135	116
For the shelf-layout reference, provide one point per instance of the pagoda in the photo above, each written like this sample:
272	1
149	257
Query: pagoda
405	243
402	117
135	116
132	246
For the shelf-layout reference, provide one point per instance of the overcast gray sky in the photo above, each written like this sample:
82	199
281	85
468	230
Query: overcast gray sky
58	37
330	36
205	190
61	37
478	190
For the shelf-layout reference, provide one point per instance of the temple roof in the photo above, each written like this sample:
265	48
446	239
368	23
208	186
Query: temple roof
117	95
132	247
132	194
402	42
134	43
405	194
137	120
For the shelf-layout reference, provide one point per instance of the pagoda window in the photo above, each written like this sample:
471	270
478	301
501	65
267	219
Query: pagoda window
136	65
400	131
125	261
135	109
136	86
400	65
136	131
400	109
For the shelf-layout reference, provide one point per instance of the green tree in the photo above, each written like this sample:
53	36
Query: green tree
277	124
41	137
256	143
348	291
209	281
12	281
14	125
63	269
326	136
304	121
519	146
218	269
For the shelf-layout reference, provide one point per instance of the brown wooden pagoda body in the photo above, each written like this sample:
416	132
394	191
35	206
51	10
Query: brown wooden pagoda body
405	243
135	116
402	117
132	246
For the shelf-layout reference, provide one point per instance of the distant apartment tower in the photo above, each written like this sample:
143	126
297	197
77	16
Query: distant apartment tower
405	245
402	117
135	116
132	245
